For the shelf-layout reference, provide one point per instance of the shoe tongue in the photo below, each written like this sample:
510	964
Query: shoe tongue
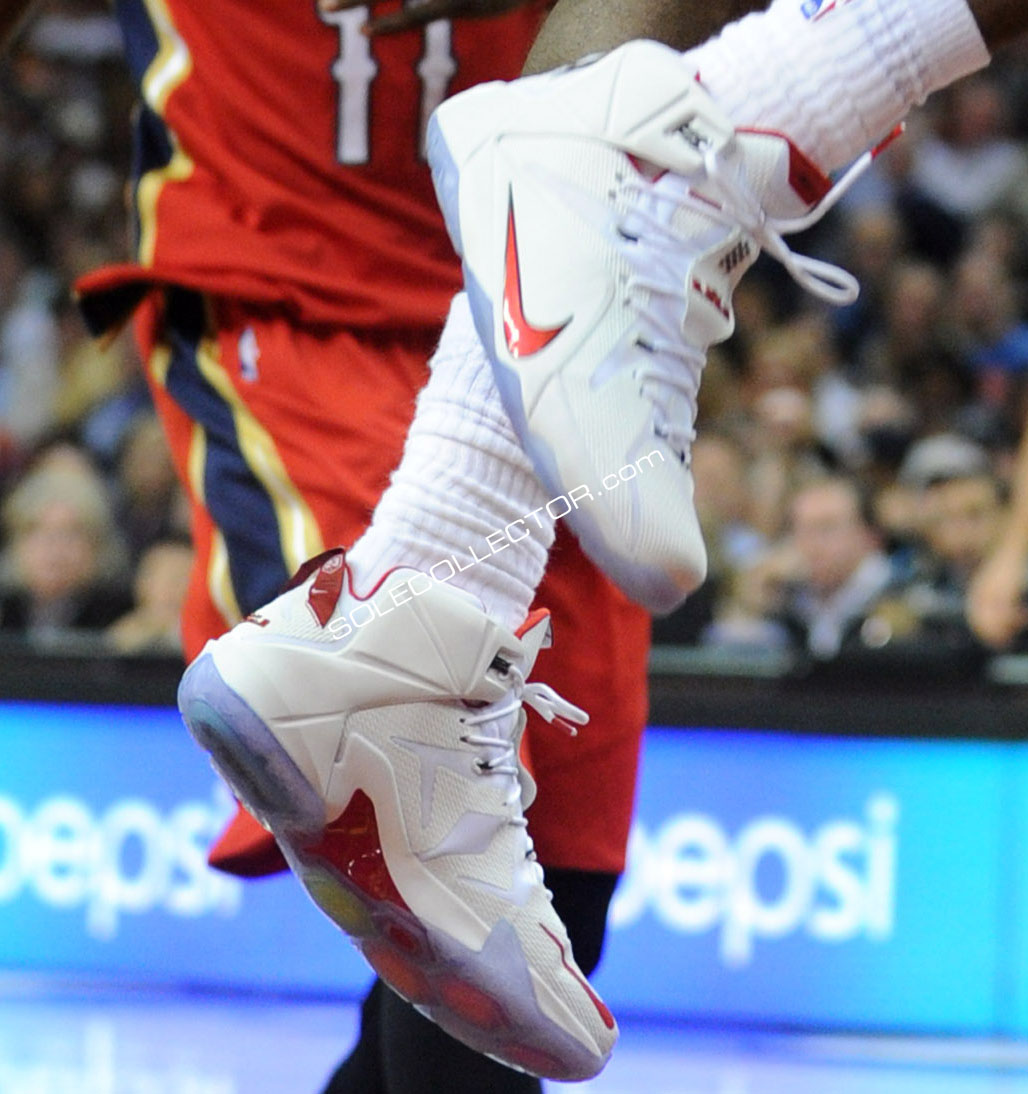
648	170
536	633
787	183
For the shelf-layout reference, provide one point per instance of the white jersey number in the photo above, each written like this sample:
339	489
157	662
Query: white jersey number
355	69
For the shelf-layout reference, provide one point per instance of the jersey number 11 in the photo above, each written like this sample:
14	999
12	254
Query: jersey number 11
354	70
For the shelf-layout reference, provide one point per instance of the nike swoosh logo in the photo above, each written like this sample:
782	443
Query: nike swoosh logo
523	339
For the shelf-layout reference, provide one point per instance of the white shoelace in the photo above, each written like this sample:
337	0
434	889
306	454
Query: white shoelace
501	751
672	380
740	206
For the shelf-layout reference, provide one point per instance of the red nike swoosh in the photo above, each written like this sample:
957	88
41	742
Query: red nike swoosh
522	338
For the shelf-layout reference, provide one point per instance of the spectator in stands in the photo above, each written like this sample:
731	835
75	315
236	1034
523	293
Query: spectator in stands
150	505
991	335
784	371
724	501
873	240
969	165
28	349
962	506
724	505
92	376
839	570
817	588
62	553
910	353
752	597
162	576
887	423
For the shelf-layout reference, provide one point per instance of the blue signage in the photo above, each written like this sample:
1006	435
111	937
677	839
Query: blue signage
105	817
817	881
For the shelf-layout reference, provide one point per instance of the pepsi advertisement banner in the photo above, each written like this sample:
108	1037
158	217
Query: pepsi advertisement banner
820	882
105	817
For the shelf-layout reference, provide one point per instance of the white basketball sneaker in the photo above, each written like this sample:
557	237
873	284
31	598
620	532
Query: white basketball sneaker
378	739
604	214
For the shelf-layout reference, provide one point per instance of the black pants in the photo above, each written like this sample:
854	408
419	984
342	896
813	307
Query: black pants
401	1052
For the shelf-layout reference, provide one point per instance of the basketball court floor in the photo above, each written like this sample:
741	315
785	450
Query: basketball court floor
88	1041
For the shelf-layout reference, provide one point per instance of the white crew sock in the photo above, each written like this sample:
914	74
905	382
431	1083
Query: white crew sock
839	79
463	478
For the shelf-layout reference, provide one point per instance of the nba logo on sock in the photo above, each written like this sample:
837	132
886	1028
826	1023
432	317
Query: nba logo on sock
818	9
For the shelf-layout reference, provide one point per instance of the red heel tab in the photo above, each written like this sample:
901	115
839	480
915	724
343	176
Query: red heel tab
309	567
327	587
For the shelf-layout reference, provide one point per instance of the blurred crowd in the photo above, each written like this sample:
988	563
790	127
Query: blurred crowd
93	526
852	466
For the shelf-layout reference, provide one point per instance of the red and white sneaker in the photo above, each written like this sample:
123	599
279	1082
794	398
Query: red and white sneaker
378	739
604	213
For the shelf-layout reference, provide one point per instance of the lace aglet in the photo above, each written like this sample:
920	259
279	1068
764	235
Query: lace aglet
566	726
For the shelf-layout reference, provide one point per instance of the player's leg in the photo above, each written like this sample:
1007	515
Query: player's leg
598	279
577	28
482	570
252	414
580	826
388	702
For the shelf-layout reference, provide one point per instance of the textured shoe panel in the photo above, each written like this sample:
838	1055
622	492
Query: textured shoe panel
438	773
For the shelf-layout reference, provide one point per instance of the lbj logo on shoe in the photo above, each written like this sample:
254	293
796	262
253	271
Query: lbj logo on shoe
770	880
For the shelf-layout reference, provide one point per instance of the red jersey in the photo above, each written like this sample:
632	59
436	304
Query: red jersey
280	155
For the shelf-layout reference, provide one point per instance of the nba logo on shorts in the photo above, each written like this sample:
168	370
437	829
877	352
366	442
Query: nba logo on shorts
810	8
249	355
